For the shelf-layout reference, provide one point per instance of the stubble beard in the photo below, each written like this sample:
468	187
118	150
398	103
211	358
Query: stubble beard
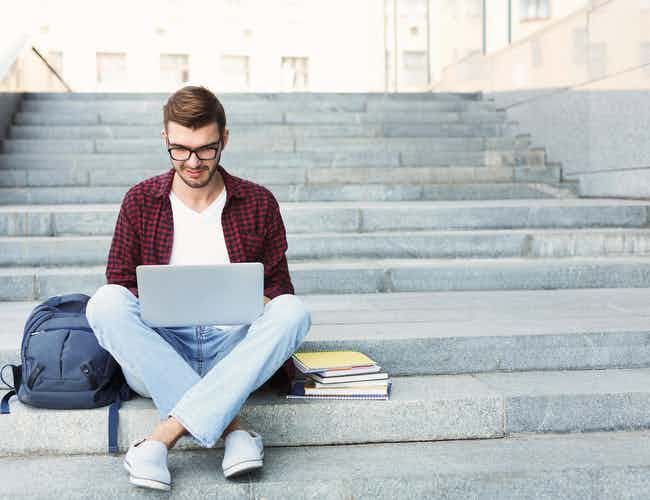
196	183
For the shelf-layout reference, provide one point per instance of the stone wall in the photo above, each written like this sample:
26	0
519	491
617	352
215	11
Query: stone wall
581	87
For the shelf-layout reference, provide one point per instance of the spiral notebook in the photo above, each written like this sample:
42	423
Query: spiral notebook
298	392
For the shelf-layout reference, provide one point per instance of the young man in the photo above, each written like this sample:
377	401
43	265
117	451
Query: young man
196	213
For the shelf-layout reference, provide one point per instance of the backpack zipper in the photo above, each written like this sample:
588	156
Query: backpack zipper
38	332
32	377
49	315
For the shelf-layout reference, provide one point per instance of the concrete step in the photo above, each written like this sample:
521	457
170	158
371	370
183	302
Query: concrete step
84	176
280	160
597	466
274	130
428	408
412	144
261	107
473	244
379	275
426	333
360	217
289	117
273	144
262	96
296	193
458	407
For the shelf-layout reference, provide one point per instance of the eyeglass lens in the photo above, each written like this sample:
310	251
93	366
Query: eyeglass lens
184	154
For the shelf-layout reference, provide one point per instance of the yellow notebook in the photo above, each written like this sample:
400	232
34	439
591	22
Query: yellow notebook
323	360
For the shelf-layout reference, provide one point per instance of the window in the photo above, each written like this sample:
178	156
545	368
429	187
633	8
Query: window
111	68
295	73
534	10
174	69
235	73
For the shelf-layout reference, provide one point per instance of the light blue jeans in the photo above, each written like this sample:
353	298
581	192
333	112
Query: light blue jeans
201	375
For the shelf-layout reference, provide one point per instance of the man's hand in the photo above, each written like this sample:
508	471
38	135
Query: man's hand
266	300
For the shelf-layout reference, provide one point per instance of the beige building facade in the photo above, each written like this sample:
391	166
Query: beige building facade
235	45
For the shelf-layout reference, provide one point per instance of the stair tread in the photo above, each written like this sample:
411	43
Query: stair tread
412	315
565	466
522	202
486	405
373	263
397	233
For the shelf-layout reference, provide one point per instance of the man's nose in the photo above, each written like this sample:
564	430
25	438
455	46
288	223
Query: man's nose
193	160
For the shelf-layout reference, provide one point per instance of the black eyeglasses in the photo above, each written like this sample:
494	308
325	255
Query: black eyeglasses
181	153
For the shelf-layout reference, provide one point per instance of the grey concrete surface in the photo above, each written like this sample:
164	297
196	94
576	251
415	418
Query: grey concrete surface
319	192
9	104
78	176
589	132
339	276
460	332
275	130
503	243
420	409
598	466
361	217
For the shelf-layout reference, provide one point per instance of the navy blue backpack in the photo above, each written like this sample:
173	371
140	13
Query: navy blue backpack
63	365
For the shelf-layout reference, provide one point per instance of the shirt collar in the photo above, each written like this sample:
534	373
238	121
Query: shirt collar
163	184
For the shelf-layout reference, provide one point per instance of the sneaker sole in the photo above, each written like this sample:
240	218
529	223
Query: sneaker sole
243	467
145	483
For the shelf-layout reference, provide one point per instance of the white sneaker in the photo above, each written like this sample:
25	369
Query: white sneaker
146	463
244	452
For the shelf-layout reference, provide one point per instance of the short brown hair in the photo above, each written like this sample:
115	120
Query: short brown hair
194	107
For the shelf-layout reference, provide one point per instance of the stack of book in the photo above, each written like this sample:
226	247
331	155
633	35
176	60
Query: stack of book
338	375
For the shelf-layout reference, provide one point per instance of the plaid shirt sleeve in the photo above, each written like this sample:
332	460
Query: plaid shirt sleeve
276	270
124	254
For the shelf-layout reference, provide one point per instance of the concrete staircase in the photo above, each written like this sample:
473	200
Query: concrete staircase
512	315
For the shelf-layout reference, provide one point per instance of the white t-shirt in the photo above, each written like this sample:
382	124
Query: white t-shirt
198	236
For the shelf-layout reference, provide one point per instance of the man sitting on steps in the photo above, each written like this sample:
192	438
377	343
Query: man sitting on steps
196	213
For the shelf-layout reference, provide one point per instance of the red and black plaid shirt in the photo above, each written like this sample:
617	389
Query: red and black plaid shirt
252	228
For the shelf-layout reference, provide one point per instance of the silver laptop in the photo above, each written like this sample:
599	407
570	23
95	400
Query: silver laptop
190	295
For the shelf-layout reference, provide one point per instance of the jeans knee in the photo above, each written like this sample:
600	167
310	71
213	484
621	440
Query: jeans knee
294	312
136	383
107	301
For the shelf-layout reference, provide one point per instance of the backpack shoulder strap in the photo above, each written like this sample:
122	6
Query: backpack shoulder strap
113	421
17	374
4	404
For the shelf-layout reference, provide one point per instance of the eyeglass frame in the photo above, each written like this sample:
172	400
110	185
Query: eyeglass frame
196	151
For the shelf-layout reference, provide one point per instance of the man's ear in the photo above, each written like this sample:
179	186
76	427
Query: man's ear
226	135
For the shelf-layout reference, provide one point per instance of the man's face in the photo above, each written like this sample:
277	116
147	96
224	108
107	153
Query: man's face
195	172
